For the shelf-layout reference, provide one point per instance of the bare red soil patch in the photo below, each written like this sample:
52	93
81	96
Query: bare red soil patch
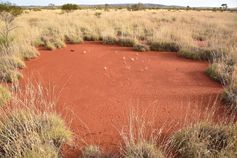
100	84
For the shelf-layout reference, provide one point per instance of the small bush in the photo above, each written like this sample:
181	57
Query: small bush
10	8
127	42
98	14
5	96
204	140
141	48
91	151
136	7
69	7
109	40
164	46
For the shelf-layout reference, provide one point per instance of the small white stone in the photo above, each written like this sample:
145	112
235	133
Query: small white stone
132	59
84	52
105	68
124	58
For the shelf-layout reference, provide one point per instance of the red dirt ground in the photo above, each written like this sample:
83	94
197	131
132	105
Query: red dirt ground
100	84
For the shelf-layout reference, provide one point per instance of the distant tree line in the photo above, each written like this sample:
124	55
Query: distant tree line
10	8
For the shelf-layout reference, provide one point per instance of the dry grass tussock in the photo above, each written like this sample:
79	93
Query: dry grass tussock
29	127
140	139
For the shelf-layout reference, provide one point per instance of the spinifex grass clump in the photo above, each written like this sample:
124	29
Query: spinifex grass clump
220	71
91	151
229	95
127	42
109	40
12	62
8	68
164	46
205	140
5	96
141	47
139	140
195	53
28	128
52	39
73	39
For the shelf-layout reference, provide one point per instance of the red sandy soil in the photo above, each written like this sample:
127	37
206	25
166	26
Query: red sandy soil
100	84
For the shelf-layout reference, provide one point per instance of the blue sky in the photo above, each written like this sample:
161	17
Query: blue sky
192	3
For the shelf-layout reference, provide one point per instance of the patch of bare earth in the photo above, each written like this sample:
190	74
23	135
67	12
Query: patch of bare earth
98	85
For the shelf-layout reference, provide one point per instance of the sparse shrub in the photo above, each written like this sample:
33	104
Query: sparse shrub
204	140
5	96
137	7
91	151
164	46
127	42
98	14
10	8
141	47
109	40
69	7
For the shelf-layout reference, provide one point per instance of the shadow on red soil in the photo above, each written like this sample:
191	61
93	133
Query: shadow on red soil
100	84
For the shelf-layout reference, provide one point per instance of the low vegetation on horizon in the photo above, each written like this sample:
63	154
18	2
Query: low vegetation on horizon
195	34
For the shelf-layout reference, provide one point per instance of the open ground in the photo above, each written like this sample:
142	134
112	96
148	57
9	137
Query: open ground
131	83
100	85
